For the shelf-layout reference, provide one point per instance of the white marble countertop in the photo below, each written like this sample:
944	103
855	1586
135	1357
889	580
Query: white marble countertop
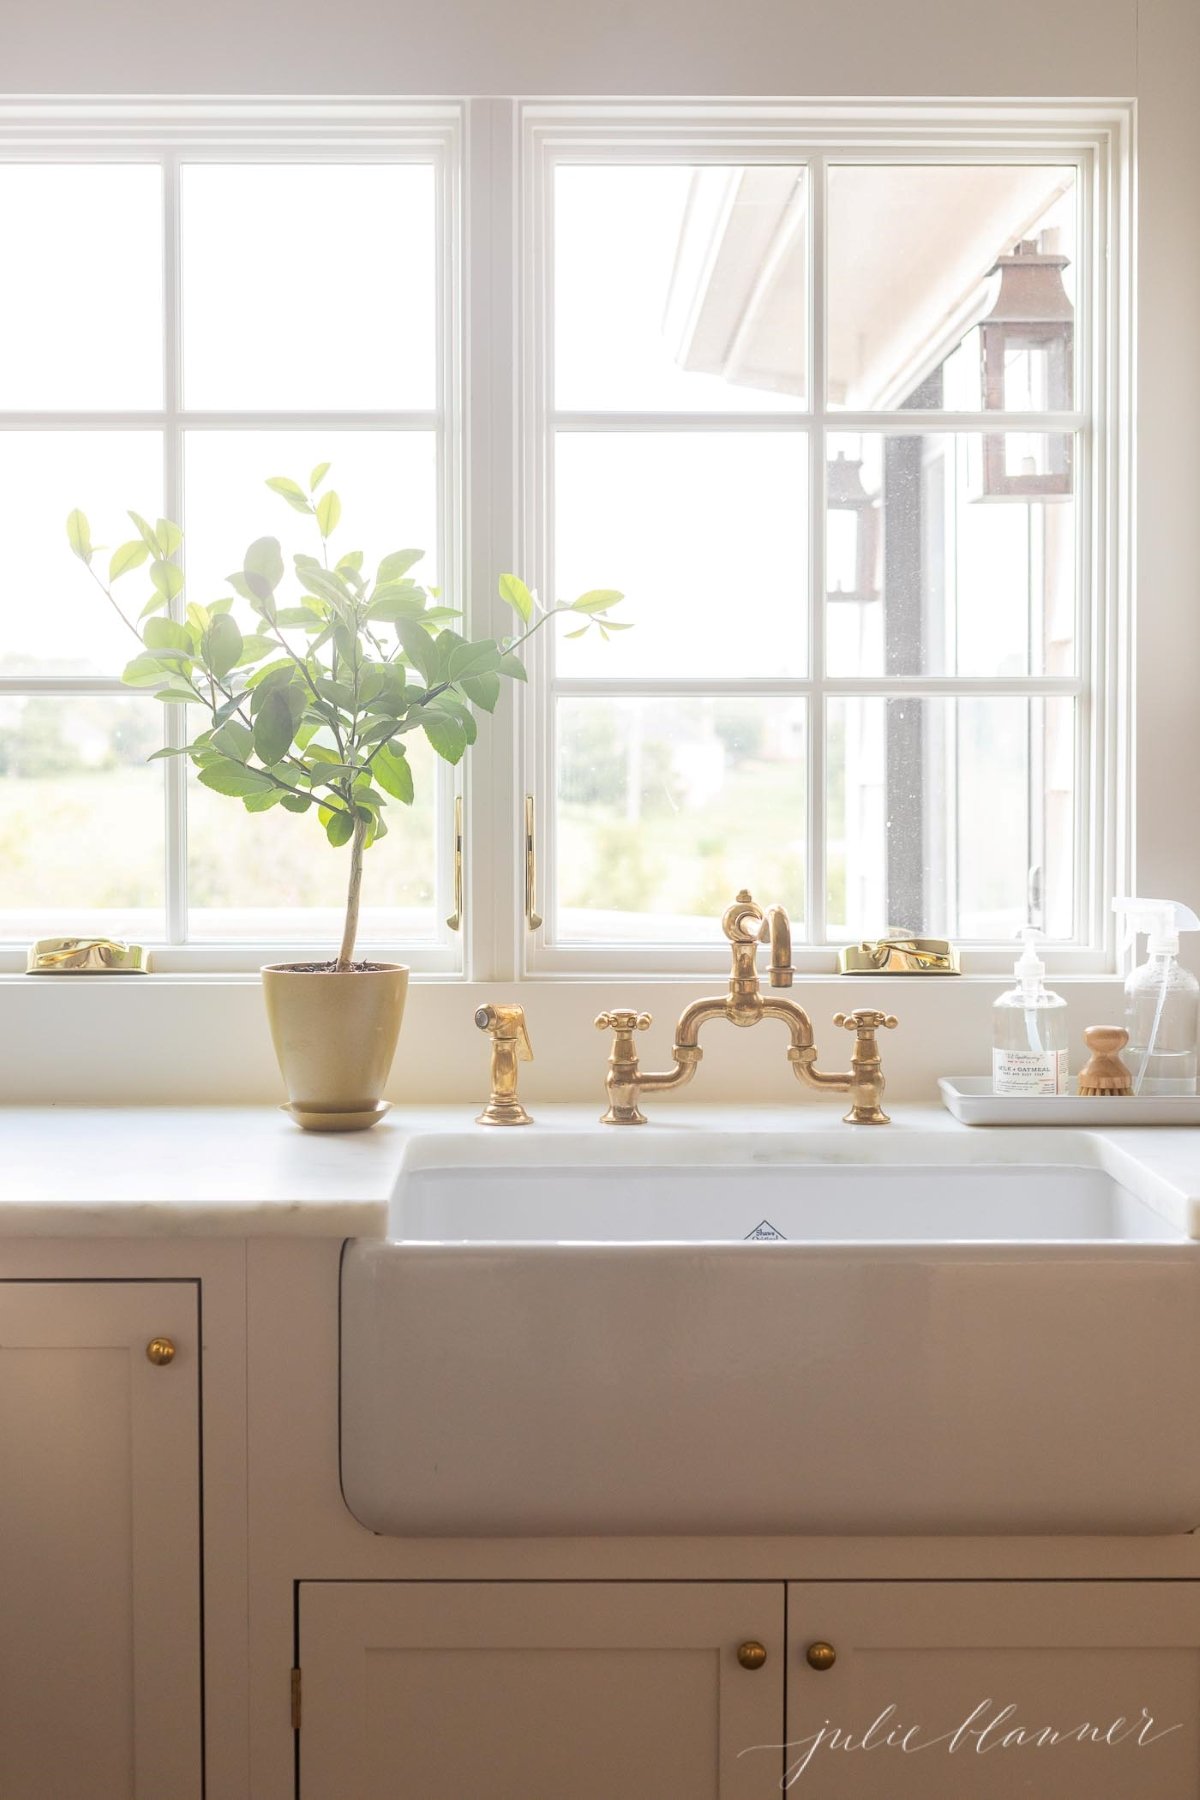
229	1171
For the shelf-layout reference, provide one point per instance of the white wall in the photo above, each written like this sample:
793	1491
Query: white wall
576	47
1149	49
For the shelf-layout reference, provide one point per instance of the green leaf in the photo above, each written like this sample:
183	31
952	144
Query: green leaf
79	535
447	737
317	477
254	647
419	650
329	511
596	600
398	563
472	659
513	667
518	596
295	803
227	709
340	828
392	771
168	535
165	634
171	750
352	561
227	777
167	578
155	604
177	696
338	693
582	632
302	617
233	739
125	557
398	602
147	535
292	492
484	690
274	727
224	645
261	802
145	671
262	567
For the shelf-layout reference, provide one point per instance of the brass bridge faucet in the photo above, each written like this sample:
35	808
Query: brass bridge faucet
746	926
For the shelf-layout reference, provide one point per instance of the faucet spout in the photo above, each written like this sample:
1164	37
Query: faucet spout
777	931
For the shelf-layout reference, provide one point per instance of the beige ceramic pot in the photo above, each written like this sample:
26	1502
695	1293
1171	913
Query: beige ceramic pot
335	1034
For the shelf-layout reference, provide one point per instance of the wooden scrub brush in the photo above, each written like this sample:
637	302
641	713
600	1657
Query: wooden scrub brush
1105	1073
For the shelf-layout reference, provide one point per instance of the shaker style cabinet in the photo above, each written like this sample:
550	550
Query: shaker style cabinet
531	1690
982	1690
100	1651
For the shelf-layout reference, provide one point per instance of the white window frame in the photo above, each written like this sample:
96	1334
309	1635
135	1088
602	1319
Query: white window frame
1096	140
167	135
495	159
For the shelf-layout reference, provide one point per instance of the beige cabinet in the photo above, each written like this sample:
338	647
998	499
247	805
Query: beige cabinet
528	1690
981	1690
100	1651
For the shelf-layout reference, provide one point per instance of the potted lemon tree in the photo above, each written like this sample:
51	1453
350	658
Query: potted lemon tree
306	705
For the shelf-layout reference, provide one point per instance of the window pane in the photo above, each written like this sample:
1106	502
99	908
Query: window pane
275	876
680	288
667	807
954	817
705	533
309	286
54	620
912	276
387	483
81	299
945	557
81	817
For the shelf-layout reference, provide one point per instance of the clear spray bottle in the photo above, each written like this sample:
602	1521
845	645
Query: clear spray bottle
1162	1000
1029	1030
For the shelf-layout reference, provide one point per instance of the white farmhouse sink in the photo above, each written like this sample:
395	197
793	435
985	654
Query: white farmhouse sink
705	1343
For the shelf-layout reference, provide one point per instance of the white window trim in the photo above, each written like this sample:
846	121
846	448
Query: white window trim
1097	139
165	135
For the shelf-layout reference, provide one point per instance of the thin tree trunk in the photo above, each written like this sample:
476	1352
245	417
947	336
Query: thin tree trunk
350	932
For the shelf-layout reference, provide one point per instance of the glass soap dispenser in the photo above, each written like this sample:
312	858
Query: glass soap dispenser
1029	1031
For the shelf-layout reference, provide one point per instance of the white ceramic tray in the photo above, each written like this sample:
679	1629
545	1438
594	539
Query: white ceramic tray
971	1100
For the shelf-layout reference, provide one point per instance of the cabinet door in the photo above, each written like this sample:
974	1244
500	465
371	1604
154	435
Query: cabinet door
1054	1690
99	1542
531	1690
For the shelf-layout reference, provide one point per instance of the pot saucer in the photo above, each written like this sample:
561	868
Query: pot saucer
312	1119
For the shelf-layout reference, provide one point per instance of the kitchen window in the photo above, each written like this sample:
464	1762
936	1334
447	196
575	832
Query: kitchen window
836	396
835	410
193	306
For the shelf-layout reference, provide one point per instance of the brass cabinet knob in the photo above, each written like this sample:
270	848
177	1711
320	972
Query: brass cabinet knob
820	1655
160	1351
752	1654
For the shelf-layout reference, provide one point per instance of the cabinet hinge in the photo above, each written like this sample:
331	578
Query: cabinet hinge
296	1676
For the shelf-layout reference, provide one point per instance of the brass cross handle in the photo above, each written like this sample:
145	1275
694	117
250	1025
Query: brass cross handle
866	1082
623	1020
866	1021
621	1081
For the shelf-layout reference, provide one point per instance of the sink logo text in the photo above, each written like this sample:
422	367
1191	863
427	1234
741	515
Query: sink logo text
763	1231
